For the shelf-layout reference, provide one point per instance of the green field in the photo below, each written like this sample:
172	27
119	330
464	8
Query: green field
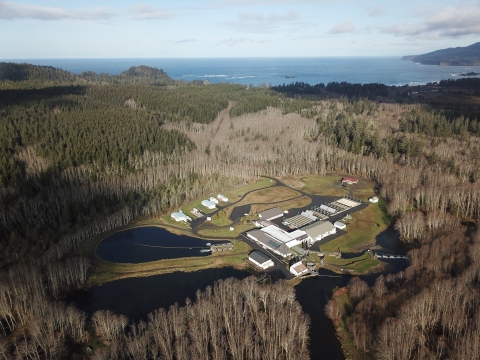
234	195
328	185
220	219
359	264
225	232
362	229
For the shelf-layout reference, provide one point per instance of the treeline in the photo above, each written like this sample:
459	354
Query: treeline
427	312
439	123
39	74
465	83
231	320
334	89
14	75
392	94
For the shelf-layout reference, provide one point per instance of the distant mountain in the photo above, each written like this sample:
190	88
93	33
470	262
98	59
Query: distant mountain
459	56
14	72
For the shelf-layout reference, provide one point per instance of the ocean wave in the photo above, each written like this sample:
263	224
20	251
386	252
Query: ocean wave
242	77
214	76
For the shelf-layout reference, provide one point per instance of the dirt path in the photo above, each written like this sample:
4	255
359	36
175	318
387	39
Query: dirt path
225	113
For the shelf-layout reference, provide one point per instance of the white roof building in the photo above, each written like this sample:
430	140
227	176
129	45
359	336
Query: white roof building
339	225
209	204
222	198
271	214
180	216
298	269
260	259
373	199
212	199
290	239
319	230
268	242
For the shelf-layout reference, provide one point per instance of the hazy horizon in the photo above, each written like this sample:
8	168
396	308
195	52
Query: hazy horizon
50	29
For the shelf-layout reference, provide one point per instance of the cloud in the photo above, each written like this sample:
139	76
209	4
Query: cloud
232	41
345	27
259	23
449	22
234	3
11	11
183	41
377	11
146	12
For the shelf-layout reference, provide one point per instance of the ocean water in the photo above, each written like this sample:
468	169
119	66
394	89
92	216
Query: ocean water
274	71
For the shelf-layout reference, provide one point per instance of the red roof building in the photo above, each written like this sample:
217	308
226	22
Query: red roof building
349	180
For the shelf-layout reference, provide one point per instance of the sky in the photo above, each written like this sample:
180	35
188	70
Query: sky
233	28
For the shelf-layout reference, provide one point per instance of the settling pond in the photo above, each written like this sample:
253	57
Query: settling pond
150	243
136	297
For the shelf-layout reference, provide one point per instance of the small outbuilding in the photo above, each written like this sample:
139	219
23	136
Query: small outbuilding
373	199
213	200
180	216
222	198
209	204
298	269
339	225
349	180
260	259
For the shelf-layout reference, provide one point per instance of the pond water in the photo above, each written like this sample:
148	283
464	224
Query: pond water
149	244
136	297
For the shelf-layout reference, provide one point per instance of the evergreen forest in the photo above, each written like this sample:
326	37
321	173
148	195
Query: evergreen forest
84	154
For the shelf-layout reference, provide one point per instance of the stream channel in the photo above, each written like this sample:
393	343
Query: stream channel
136	297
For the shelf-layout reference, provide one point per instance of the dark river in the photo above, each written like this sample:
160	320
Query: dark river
149	244
136	297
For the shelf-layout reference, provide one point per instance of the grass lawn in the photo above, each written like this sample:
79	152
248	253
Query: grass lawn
345	262
196	204
225	232
363	266
220	219
285	205
265	196
323	185
360	264
234	195
275	194
180	224
362	229
364	189
105	271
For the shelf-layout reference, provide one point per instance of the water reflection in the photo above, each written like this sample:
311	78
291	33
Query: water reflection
150	244
136	297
